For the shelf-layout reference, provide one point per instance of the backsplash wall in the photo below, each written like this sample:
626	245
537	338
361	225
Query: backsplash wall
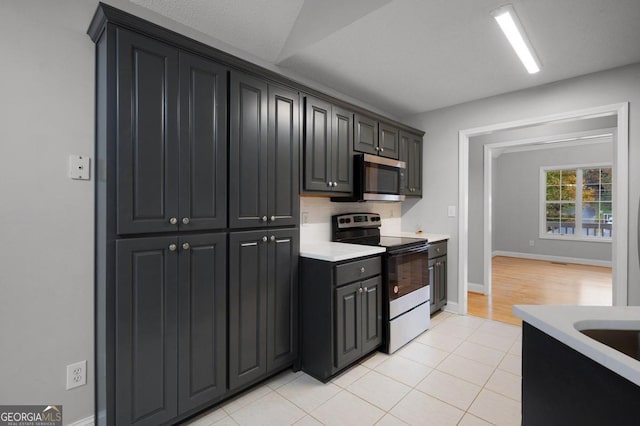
316	212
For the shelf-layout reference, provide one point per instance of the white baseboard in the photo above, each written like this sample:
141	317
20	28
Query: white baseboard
476	288
87	421
451	307
562	259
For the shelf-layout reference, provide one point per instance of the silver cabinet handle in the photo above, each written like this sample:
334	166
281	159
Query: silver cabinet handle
185	220
329	184
264	239
360	290
273	218
185	246
377	148
365	289
273	238
362	270
173	221
172	247
264	218
381	149
335	183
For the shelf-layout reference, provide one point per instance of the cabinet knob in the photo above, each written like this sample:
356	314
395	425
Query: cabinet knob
365	289
173	221
264	239
362	270
377	148
273	218
185	220
272	238
185	246
172	247
381	149
264	218
360	290
335	184
329	184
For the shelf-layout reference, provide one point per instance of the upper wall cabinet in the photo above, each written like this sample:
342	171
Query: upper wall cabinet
171	166
376	138
411	153
264	150
328	155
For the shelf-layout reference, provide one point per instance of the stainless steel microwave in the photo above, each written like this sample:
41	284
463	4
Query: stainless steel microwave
376	179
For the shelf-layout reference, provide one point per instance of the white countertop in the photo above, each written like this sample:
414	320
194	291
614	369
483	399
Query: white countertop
335	252
432	238
563	323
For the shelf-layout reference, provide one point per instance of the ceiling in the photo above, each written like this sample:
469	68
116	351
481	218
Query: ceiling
411	56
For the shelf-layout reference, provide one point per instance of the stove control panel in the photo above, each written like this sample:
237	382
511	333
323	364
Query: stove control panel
356	220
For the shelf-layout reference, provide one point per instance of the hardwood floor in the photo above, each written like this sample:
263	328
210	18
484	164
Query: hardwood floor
518	281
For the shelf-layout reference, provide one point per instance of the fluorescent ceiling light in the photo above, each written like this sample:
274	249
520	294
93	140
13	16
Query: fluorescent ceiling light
512	29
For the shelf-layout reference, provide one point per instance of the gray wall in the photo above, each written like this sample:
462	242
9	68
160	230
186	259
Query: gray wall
516	202
46	259
476	176
440	185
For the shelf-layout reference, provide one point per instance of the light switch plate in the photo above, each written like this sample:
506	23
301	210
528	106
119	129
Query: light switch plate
79	167
451	211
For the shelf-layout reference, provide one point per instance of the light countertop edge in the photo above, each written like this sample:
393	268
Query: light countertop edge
335	252
560	322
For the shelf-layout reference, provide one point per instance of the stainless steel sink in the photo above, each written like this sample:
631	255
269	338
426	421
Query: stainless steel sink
625	341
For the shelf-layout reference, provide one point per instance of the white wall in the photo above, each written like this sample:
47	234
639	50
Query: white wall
516	202
47	251
440	184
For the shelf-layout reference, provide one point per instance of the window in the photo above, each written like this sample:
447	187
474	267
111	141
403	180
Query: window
576	202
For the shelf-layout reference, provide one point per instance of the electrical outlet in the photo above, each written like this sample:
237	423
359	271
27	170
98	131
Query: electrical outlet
76	374
532	243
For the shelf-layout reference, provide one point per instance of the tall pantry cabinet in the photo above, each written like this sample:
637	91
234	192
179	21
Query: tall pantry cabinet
173	332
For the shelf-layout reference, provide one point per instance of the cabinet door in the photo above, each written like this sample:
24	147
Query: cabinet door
389	140
317	145
341	150
403	155
203	144
247	307
283	176
415	155
348	324
371	314
442	282
366	134
147	134
282	298
146	331
248	152
202	326
433	290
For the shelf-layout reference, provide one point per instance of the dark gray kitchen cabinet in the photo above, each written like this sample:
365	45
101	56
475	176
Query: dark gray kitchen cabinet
438	275
171	328
365	134
340	313
411	154
262	303
373	137
264	146
358	320
388	140
202	319
328	141
146	331
171	138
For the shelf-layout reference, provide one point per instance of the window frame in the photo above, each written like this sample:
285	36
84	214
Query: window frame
542	203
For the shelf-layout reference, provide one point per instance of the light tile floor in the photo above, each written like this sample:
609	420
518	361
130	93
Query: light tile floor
463	371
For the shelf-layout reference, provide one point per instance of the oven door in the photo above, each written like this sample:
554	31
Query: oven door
408	275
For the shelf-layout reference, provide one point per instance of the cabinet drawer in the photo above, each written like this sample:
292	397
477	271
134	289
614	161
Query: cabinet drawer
437	249
359	270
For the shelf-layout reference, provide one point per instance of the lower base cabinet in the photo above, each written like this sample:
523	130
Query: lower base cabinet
438	275
341	313
171	326
263	296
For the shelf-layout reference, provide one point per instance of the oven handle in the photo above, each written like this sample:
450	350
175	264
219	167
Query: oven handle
413	250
